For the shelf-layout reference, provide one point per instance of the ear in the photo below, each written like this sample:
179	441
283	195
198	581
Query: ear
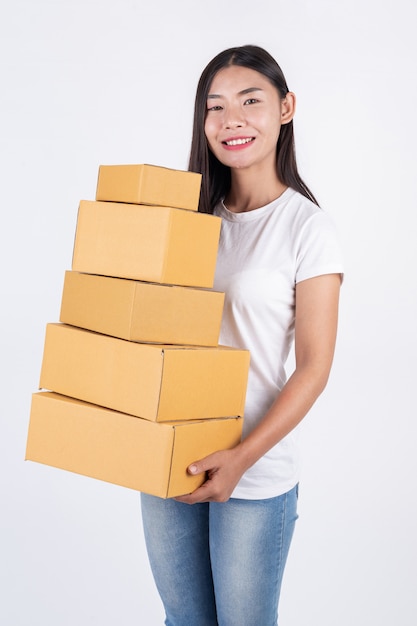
288	108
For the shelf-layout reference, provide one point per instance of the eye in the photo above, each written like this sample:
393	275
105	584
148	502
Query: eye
251	101
216	107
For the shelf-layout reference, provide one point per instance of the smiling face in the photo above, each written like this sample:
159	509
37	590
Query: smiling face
244	118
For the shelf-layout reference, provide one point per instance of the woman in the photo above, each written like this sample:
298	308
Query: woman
220	561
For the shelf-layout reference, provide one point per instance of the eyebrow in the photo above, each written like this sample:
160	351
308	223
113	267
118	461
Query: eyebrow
211	96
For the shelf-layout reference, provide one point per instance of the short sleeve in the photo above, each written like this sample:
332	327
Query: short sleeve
318	251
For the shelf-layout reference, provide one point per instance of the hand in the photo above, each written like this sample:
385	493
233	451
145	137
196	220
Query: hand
223	474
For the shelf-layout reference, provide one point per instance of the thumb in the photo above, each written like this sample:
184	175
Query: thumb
203	465
198	467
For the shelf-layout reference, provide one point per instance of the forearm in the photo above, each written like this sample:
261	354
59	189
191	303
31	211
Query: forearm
290	407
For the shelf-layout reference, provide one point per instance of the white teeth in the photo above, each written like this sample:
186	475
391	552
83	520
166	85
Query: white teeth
238	142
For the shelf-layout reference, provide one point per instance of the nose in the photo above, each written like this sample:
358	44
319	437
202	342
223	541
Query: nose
234	118
234	124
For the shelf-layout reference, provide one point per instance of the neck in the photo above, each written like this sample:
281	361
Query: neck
251	190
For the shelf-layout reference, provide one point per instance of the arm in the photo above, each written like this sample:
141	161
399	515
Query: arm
315	336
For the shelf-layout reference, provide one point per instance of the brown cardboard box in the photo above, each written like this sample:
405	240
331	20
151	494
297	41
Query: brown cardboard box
154	244
122	449
149	184
139	311
156	382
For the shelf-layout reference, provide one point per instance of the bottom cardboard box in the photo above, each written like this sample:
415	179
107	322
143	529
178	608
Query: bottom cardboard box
121	449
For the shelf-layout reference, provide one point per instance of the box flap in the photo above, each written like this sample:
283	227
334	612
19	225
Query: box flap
100	443
191	251
203	383
195	441
122	240
98	303
121	375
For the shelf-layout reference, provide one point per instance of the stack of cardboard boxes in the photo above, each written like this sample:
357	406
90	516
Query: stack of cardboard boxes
138	385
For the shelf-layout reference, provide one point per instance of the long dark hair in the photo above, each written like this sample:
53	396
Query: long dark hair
216	176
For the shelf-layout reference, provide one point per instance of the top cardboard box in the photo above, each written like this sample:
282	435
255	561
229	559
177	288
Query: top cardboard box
155	244
149	184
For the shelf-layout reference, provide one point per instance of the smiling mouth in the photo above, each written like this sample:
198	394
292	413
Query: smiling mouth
238	142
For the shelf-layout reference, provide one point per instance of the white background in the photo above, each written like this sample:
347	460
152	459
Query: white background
86	82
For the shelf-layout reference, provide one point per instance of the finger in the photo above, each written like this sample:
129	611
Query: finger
191	498
203	465
202	494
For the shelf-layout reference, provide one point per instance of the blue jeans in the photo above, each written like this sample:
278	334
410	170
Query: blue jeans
219	564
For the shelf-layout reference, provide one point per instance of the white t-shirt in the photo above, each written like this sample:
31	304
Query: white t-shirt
262	255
